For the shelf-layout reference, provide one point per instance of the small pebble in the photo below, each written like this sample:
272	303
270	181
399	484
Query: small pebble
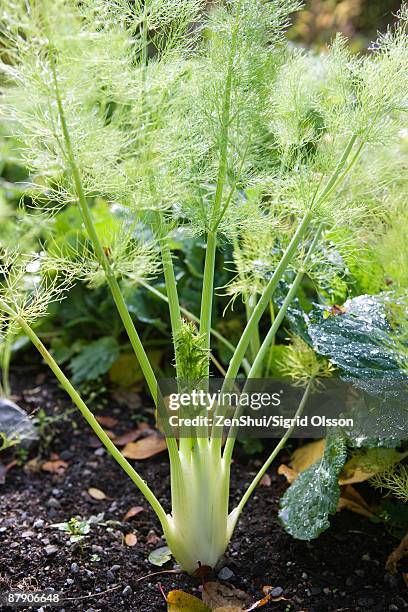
365	602
52	503
66	455
349	581
115	568
128	591
276	592
51	549
74	568
225	573
89	573
69	581
110	576
359	573
326	591
393	608
304	576
99	452
38	524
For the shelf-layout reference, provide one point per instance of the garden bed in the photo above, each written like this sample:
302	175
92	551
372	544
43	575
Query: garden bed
343	570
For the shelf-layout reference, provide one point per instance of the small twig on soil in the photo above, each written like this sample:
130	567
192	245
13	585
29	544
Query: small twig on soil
118	586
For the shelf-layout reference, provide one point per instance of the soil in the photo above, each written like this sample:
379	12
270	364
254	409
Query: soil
343	570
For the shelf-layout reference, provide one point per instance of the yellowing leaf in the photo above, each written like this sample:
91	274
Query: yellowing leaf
351	500
365	465
178	601
130	539
145	448
96	493
287	472
307	455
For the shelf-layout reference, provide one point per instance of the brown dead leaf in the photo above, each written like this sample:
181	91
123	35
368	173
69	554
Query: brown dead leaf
216	595
399	553
130	436
265	481
55	466
107	421
268	597
133	511
351	500
179	601
96	493
130	539
145	448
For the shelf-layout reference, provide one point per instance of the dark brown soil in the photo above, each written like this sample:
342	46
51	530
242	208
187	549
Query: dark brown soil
341	571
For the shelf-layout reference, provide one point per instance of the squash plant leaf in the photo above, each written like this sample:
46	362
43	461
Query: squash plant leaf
307	504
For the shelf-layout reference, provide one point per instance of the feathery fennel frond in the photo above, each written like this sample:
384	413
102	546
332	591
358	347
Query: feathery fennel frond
301	364
25	290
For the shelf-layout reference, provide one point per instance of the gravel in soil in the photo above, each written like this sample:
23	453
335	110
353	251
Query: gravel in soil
341	571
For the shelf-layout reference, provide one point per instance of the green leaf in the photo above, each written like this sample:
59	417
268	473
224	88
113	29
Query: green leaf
359	340
307	504
160	556
94	360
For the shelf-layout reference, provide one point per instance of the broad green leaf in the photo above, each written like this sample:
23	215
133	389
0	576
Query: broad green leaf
307	504
359	339
160	556
94	360
365	338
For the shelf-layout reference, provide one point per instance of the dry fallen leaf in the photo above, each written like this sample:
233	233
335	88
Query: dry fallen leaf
265	481
180	601
307	455
399	553
56	466
302	458
145	448
130	539
96	493
134	511
351	500
107	421
129	436
217	595
288	473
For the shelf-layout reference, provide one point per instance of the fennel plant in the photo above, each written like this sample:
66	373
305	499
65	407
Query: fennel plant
200	121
